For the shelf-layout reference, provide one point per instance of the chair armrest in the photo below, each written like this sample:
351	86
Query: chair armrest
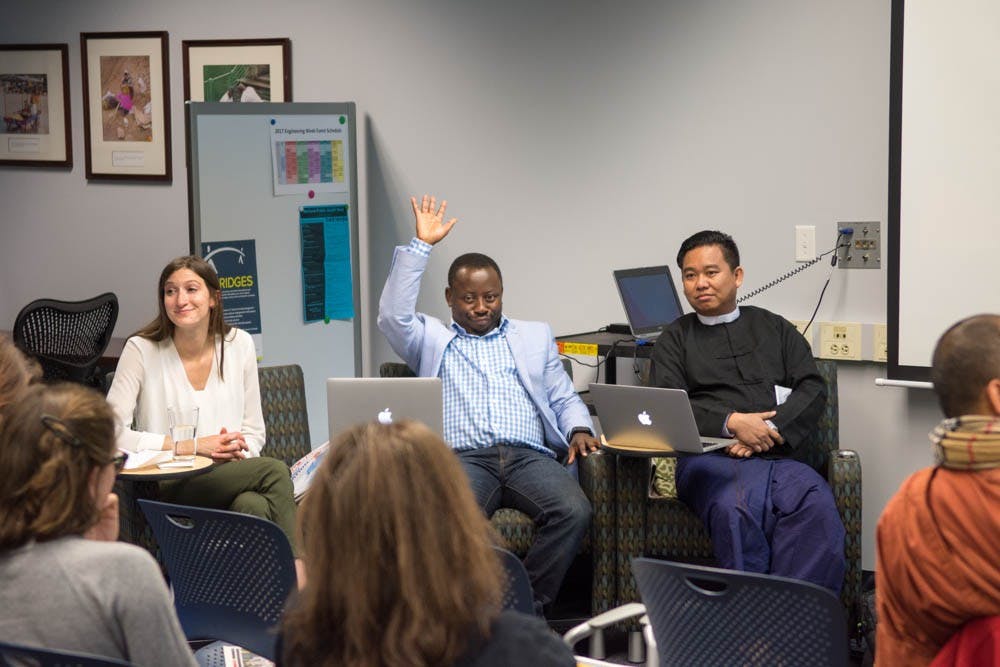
601	621
844	476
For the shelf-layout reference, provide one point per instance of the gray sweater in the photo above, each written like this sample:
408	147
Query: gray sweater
104	598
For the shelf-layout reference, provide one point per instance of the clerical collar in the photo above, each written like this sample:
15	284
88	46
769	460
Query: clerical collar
712	320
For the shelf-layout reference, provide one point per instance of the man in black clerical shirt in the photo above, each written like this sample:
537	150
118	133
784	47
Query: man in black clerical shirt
750	376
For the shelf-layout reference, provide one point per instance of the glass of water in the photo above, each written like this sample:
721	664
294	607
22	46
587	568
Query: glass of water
183	427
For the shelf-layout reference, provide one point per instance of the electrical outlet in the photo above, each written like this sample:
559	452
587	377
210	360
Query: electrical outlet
800	325
880	343
840	340
861	247
805	243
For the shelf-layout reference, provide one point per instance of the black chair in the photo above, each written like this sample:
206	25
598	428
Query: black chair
67	337
12	655
707	616
231	573
517	594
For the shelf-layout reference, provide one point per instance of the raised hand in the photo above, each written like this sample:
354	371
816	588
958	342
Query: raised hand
431	227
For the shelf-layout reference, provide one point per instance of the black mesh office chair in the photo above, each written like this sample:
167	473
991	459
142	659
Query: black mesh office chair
67	337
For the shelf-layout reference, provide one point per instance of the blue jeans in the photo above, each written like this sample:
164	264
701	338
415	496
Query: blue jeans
530	482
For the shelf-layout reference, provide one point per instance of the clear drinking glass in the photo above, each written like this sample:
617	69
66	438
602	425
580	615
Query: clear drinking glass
183	425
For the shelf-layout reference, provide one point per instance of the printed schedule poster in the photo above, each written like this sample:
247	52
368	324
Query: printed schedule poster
327	290
309	154
236	264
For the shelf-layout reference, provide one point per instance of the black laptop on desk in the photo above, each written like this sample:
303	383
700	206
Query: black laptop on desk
649	298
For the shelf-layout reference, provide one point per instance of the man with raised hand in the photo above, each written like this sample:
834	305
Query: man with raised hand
510	411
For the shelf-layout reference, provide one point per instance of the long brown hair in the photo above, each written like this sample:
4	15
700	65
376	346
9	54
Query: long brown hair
399	559
50	441
161	328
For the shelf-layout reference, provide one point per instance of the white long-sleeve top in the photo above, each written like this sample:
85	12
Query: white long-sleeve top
150	377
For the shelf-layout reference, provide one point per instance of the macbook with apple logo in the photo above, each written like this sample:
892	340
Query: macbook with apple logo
650	420
351	401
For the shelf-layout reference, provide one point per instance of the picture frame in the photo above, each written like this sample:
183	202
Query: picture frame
126	105
241	70
34	104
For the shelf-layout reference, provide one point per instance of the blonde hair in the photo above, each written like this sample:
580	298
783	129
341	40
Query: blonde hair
16	372
399	557
51	439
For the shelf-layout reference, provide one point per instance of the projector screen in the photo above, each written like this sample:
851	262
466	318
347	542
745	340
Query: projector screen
944	174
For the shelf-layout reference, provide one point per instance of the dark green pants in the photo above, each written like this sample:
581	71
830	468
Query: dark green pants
259	486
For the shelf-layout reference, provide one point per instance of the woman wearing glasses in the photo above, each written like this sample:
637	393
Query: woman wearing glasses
67	583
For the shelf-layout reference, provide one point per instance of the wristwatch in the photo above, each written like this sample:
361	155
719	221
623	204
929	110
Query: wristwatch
579	429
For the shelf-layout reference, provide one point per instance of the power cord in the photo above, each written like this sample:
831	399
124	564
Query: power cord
844	231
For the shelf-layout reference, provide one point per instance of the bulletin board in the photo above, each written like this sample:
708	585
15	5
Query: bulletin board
284	176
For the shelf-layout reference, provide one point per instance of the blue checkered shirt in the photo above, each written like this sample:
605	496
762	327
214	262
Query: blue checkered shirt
485	403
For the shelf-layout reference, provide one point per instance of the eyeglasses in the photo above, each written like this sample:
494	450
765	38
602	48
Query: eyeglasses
61	431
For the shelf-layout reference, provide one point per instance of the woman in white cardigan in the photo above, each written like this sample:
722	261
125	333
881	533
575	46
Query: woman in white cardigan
188	356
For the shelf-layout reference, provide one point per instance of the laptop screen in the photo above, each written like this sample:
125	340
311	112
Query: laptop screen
649	298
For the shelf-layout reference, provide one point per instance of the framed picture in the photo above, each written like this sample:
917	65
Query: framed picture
34	101
126	105
238	70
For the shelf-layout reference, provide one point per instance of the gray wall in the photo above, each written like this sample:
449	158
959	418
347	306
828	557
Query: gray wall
571	138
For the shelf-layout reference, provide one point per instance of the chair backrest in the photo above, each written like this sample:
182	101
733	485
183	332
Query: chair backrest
286	421
816	451
231	573
67	337
517	595
12	655
707	616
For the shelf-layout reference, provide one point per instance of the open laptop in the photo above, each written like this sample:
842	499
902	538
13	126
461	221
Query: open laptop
649	298
650	420
351	401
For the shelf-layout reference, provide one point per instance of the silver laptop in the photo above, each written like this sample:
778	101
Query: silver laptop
649	298
351	401
650	420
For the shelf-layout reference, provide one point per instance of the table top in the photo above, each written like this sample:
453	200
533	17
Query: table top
153	473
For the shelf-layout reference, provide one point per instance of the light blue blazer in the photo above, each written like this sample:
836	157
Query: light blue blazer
420	340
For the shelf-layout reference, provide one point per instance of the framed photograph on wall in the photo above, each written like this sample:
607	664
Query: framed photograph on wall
238	70
34	103
126	105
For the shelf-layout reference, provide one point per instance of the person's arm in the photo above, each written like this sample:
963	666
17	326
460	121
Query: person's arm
149	625
124	395
398	320
571	412
796	418
253	414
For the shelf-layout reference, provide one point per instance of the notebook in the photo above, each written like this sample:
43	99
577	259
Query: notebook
649	298
351	401
650	420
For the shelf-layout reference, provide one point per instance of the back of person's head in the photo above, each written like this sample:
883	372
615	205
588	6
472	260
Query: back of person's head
710	237
966	358
472	261
161	327
400	568
16	372
51	442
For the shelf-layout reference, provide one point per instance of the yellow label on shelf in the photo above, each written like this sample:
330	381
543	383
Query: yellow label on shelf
583	349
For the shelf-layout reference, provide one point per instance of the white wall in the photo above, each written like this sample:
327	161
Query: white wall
570	137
